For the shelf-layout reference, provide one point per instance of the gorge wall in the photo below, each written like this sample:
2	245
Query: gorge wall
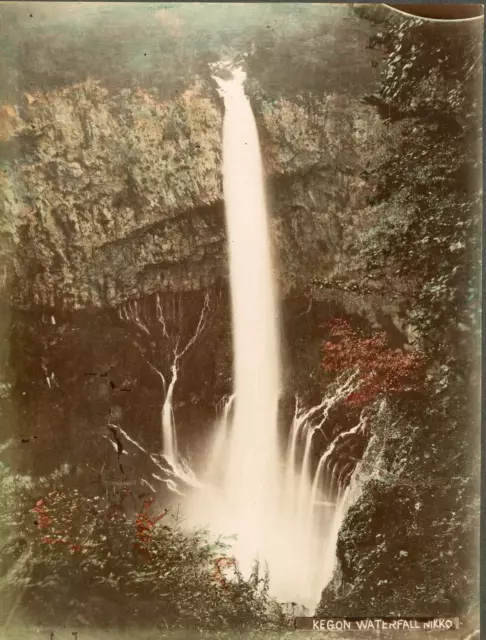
113	202
117	196
117	209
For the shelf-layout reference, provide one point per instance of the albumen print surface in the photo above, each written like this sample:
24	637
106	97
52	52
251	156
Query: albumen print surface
240	249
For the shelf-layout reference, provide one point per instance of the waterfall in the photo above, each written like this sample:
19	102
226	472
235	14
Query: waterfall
169	439
252	489
250	474
219	444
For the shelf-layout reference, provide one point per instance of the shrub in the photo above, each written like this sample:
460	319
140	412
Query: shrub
108	563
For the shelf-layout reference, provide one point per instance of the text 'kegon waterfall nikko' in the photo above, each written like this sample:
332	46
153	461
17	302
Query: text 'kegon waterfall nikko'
253	489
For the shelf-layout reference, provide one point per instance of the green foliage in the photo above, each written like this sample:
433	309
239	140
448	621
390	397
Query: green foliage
406	543
162	48
93	167
408	546
85	556
426	204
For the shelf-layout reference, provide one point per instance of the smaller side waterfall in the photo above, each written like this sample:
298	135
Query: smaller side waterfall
220	441
316	505
169	437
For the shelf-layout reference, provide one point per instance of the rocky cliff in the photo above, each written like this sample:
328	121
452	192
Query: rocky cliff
118	195
112	215
414	514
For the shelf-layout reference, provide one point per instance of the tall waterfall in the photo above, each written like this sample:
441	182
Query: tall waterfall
250	473
253	489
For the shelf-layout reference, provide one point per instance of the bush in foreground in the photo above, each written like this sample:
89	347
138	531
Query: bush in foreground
93	561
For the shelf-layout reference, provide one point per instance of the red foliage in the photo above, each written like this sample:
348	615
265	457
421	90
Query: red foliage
58	524
219	563
382	369
43	520
144	525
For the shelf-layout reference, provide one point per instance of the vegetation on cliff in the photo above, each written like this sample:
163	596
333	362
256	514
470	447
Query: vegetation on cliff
93	168
408	544
103	186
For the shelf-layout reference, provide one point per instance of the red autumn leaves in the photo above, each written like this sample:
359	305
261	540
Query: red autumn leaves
55	534
382	370
144	525
219	564
56	521
87	524
43	517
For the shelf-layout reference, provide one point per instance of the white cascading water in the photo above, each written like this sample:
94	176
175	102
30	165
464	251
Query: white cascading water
169	438
253	489
250	463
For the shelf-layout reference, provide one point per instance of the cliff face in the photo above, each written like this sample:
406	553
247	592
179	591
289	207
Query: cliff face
392	560
112	215
414	516
119	214
119	195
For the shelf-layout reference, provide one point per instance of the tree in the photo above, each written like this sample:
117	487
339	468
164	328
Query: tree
383	370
